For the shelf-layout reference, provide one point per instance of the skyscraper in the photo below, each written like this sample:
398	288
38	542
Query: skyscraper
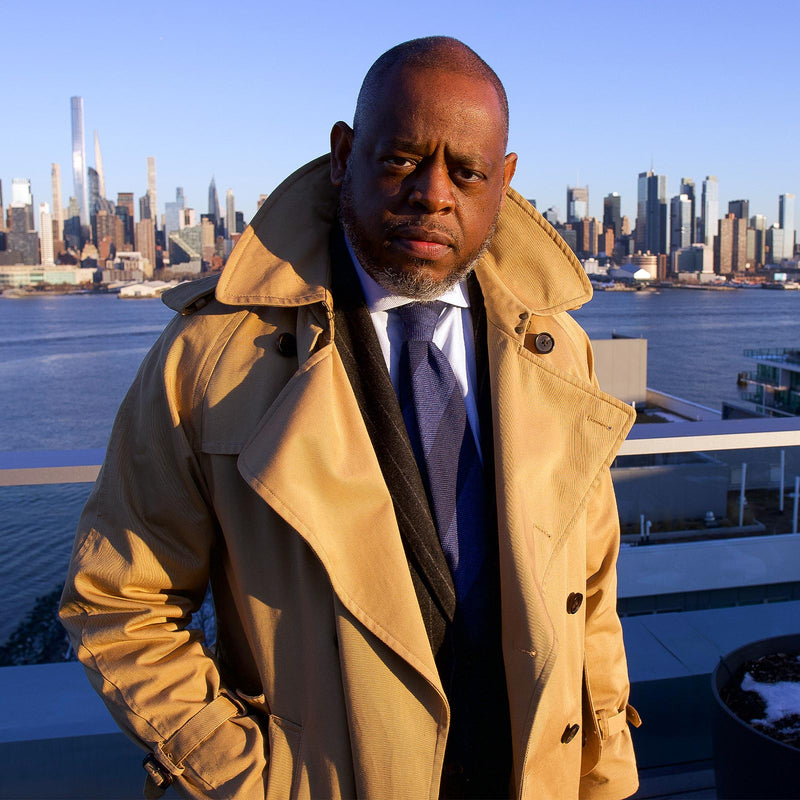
79	159
98	165
786	221
577	203
681	222
151	189
230	213
652	220
710	209
2	212
213	201
612	213
173	218
758	222
46	234
687	188
58	208
739	208
21	209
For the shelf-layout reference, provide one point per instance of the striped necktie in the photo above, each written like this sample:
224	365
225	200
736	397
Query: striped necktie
436	419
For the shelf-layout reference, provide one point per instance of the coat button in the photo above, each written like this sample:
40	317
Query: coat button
574	602
544	343
570	732
287	345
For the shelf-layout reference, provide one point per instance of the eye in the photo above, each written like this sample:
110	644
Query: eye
399	162
466	175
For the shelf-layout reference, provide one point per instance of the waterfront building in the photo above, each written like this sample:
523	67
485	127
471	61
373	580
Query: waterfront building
775	244
647	262
731	245
2	213
687	188
577	203
758	223
230	213
709	209
145	243
46	235
697	259
652	219
58	207
79	160
774	389
611	214
786	222
20	212
98	165
681	222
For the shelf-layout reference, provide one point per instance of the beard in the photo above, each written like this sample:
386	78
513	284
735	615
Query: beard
413	280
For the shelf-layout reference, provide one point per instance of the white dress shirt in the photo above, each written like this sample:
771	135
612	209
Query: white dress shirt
453	336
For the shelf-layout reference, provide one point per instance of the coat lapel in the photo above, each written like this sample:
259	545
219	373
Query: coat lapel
312	461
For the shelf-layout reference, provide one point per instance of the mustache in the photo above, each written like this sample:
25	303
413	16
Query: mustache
396	224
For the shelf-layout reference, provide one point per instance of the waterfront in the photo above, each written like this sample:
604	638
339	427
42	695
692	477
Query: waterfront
66	361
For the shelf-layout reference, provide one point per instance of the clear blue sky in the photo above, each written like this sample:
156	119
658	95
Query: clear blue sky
248	91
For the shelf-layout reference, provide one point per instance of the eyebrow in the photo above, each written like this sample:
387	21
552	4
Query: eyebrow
464	159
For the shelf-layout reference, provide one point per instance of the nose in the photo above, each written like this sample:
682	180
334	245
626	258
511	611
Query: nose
432	190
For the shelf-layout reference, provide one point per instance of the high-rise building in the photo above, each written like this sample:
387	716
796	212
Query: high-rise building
612	213
72	224
775	244
46	235
758	223
173	218
652	220
687	188
577	203
681	222
786	221
79	160
21	208
98	165
58	208
739	208
94	191
145	242
124	210
213	202
730	248
2	212
230	213
709	212
151	189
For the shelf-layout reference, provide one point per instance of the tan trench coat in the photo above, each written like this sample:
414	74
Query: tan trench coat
232	462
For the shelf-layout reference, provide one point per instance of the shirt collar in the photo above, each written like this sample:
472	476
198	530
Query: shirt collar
380	299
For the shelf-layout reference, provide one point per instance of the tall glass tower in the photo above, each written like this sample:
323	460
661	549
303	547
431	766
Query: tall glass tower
786	221
710	209
79	159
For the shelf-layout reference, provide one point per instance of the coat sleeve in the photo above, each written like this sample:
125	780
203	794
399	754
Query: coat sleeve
139	569
614	775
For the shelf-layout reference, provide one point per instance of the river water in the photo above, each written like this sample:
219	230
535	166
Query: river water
66	362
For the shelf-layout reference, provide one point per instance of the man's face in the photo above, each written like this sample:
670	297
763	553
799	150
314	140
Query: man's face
423	179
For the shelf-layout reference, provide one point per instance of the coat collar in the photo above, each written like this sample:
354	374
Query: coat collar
528	265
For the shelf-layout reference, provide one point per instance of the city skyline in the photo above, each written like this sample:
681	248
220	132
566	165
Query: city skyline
584	110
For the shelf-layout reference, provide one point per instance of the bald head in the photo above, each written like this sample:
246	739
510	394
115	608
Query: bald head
430	53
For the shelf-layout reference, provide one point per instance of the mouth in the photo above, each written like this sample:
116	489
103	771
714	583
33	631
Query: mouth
420	242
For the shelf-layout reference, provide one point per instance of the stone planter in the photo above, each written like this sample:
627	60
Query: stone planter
748	764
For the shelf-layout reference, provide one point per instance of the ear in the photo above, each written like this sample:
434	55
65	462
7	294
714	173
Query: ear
509	167
341	147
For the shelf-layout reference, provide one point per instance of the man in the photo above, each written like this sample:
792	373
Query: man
411	543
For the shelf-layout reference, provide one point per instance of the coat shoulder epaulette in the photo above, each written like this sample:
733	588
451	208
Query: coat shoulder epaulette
191	296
